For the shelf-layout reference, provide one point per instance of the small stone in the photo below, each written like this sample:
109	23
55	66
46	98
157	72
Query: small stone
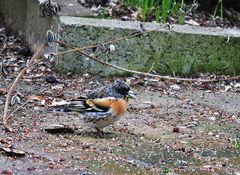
212	118
175	87
114	1
192	23
51	79
7	172
237	85
86	75
85	173
56	128
234	117
82	2
238	121
190	126
227	88
57	90
112	48
175	129
43	102
193	123
211	133
207	167
125	18
13	151
182	164
58	87
188	149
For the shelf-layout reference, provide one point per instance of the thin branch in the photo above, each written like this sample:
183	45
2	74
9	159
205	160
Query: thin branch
143	73
152	67
19	107
36	63
18	78
68	51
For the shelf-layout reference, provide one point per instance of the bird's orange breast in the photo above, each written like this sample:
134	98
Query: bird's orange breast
119	106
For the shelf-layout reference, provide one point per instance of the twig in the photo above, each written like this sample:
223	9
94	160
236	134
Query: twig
36	63
153	64
20	75
143	73
20	107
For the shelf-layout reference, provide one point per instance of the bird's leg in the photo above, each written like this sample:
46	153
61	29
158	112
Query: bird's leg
100	132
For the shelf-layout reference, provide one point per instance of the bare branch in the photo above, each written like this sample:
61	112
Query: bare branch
18	78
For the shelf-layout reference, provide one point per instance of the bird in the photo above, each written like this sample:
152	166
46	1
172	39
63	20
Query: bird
102	107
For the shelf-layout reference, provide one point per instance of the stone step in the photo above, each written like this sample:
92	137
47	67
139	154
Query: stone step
182	50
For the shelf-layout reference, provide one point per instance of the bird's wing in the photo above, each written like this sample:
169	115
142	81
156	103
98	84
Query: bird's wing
117	106
87	105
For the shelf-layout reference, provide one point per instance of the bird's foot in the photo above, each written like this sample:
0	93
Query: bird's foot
100	132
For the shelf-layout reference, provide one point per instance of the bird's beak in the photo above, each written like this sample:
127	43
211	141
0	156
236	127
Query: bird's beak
131	94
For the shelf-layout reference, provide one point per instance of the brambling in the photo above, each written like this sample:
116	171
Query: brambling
103	107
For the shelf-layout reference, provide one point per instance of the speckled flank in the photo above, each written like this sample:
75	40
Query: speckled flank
117	108
100	121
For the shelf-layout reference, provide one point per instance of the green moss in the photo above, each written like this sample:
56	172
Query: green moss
181	54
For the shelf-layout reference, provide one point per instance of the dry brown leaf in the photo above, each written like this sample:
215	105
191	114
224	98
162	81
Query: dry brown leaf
37	97
3	91
13	151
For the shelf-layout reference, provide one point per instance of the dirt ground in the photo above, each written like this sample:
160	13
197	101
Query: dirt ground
169	129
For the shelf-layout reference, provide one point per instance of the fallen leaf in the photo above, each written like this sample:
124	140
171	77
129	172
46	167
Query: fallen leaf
227	88
192	23
57	90
58	103
7	172
10	151
3	91
3	69
175	87
37	97
58	87
237	85
15	100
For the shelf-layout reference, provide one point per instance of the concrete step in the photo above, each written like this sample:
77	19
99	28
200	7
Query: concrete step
182	50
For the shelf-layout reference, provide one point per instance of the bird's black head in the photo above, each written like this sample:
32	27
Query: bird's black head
118	89
121	87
